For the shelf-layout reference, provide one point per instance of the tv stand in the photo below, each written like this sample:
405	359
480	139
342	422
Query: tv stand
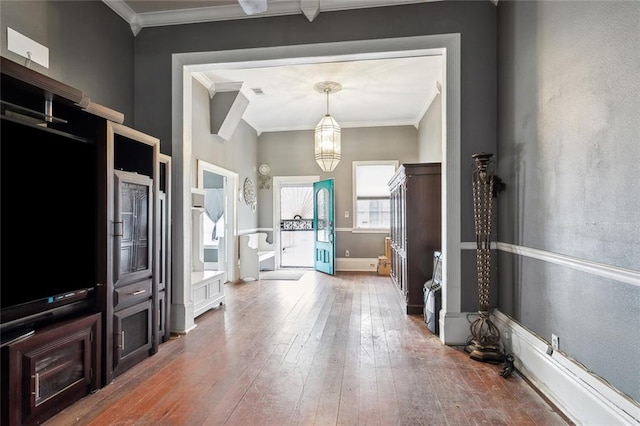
15	336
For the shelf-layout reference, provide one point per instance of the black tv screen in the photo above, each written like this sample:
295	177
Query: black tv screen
48	215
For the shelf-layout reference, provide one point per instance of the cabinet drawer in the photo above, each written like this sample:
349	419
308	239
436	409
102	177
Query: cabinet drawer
131	294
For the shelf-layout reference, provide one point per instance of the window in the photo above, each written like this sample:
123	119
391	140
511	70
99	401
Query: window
371	202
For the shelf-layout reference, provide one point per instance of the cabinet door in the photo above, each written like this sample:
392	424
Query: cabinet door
133	335
133	225
162	316
52	369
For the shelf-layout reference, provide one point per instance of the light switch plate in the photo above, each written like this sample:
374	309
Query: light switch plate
24	46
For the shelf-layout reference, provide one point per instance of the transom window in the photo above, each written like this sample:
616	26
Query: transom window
371	197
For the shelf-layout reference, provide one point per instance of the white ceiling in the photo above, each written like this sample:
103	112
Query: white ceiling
375	92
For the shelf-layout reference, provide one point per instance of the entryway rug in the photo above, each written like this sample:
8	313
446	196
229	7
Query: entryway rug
282	274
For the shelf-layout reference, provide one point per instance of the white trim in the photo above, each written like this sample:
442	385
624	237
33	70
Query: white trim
473	246
451	182
248	231
624	275
432	96
202	78
582	396
368	231
454	327
355	264
233	11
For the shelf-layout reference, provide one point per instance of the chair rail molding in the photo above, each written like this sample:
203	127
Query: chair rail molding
624	275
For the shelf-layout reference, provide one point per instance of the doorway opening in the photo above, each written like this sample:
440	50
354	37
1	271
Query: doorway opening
453	325
293	221
218	218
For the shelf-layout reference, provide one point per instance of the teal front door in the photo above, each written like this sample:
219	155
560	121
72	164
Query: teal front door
324	227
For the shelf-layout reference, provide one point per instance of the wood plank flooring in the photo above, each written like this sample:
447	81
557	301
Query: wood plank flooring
319	351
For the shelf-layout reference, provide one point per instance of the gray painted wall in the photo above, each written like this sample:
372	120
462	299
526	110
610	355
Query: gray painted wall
430	133
90	47
239	154
569	154
291	154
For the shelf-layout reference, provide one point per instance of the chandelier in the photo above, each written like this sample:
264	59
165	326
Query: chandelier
327	134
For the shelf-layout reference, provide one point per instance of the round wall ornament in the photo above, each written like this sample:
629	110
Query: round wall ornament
249	192
264	169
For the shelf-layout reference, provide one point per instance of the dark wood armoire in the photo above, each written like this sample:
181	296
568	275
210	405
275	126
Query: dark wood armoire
415	229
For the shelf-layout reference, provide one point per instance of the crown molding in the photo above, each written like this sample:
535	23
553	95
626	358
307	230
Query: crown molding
138	21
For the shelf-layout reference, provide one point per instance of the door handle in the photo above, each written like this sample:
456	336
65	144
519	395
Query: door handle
36	385
118	229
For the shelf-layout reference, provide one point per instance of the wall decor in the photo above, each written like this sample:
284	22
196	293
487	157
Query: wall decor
249	194
264	180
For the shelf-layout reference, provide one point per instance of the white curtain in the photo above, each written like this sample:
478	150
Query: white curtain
214	207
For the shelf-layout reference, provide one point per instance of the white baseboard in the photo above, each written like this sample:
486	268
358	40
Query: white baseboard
355	264
454	327
582	396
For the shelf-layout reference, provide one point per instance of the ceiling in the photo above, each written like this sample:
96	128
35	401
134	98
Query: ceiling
375	92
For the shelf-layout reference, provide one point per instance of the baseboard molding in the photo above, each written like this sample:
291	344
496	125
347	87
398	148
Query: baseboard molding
454	327
582	396
356	264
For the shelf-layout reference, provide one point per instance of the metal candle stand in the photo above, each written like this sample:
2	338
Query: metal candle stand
484	344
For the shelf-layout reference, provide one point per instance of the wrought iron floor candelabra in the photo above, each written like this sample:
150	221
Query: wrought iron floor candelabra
484	344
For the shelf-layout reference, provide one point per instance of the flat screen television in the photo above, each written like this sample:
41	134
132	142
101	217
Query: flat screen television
48	223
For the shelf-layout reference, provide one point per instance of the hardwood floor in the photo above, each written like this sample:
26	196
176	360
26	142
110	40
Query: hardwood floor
319	351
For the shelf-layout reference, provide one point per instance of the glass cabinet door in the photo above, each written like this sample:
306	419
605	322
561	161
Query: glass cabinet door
132	225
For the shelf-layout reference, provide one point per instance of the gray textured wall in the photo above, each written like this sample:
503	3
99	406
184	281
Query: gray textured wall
430	133
569	152
291	154
90	47
239	154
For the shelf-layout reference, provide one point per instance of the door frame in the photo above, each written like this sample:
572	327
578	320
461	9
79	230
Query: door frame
278	183
454	326
230	212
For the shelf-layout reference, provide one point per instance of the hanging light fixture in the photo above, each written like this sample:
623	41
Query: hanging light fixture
327	134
